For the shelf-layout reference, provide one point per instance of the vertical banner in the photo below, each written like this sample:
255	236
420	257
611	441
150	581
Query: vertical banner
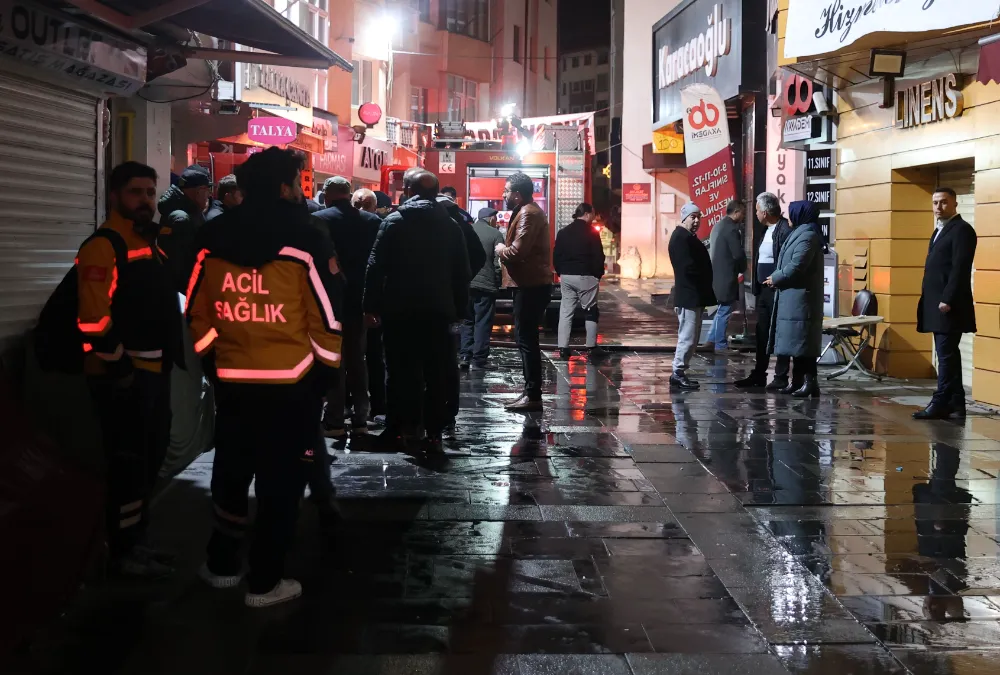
709	158
785	168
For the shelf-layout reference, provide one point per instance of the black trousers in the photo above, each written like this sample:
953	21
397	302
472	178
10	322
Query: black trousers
418	354
802	366
268	432
529	308
375	358
454	379
135	428
765	307
950	391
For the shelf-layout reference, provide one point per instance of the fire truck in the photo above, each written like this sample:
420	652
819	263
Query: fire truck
476	159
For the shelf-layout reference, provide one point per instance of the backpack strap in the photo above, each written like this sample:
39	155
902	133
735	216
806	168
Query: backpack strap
118	243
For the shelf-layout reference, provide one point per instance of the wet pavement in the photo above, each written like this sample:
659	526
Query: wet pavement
627	529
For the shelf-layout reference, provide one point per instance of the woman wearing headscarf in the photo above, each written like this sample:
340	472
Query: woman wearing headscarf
797	322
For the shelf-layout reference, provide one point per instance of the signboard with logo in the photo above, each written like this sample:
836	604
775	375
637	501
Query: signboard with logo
338	162
369	157
668	141
785	177
51	43
637	193
821	194
699	42
711	180
282	91
271	130
325	126
801	121
447	162
823	26
820	163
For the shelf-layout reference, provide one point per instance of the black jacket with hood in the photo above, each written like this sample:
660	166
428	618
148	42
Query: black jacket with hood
419	265
477	256
353	234
180	220
578	250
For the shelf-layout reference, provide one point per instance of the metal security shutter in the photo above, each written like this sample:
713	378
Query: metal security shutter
960	176
48	188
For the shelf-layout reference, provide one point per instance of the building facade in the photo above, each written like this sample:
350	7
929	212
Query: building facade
938	126
585	86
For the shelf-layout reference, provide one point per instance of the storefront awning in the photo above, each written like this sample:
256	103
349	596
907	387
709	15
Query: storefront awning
253	23
989	59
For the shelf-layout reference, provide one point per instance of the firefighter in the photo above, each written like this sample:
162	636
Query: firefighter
262	315
129	315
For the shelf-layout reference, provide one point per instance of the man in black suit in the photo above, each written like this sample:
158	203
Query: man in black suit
692	291
946	307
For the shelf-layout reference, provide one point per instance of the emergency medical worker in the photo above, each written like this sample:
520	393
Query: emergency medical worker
131	326
261	310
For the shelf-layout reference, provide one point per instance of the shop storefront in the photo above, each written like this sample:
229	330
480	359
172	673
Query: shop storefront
55	76
935	125
369	157
719	43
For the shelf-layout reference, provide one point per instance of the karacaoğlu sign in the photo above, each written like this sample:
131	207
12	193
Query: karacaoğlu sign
824	26
700	42
280	90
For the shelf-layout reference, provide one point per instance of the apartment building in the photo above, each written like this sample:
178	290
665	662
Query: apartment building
584	86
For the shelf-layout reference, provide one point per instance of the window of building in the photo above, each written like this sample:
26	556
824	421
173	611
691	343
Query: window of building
532	56
575	87
466	17
602	105
424	8
565	63
564	89
602	82
588	108
588	85
586	59
418	104
312	16
576	61
545	63
463	98
601	133
321	91
361	82
517	44
602	57
575	109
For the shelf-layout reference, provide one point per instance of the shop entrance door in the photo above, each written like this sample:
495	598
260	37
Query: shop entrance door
960	176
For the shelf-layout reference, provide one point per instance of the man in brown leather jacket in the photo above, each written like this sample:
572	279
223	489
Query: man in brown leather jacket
527	260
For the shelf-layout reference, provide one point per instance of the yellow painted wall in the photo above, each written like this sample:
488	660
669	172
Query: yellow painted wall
885	178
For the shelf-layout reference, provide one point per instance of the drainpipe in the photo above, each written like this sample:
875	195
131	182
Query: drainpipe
527	41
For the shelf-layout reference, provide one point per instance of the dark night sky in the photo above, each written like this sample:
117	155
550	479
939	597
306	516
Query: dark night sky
584	23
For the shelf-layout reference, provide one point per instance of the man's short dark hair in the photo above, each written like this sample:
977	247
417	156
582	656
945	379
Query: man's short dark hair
522	184
947	191
227	186
263	174
126	171
450	191
734	206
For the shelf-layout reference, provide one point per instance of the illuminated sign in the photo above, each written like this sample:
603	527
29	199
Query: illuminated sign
929	102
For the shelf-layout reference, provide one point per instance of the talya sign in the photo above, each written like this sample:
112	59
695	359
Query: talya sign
271	130
708	155
928	102
823	26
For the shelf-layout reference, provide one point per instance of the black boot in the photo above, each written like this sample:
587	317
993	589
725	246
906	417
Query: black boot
810	388
792	388
777	384
752	381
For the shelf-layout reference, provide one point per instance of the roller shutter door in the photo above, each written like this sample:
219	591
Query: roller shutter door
48	193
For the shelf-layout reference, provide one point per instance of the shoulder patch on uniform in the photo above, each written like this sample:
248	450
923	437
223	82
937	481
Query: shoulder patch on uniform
94	273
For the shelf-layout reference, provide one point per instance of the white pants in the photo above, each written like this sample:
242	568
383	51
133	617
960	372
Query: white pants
688	336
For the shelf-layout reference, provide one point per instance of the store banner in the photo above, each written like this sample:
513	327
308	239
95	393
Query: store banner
280	90
785	177
711	181
338	162
369	157
824	26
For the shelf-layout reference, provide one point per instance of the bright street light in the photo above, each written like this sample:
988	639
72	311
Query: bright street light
507	110
523	147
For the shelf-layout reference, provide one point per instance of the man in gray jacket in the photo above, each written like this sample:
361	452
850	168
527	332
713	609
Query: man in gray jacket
729	261
478	323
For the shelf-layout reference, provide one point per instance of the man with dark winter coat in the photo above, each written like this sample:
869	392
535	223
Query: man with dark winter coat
776	231
692	291
417	286
729	261
478	324
797	323
182	213
946	307
353	234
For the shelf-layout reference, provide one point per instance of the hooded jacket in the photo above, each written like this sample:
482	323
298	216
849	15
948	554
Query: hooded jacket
477	256
797	319
180	220
353	234
262	299
419	265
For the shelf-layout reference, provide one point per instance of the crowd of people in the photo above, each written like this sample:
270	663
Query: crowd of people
308	324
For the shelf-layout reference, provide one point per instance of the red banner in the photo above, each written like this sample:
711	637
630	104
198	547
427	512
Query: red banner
711	181
637	193
713	186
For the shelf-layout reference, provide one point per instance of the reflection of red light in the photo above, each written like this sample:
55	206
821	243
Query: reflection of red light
597	228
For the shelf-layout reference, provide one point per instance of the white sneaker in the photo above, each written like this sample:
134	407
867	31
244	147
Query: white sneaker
287	589
217	581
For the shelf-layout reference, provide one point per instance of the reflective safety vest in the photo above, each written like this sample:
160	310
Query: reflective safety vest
268	323
127	321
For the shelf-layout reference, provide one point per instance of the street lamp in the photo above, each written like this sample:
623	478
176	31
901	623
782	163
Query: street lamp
523	147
